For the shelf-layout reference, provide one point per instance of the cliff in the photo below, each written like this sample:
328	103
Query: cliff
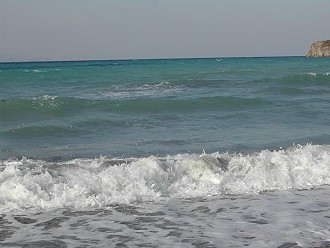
319	49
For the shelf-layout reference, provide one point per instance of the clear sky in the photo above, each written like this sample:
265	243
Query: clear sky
123	29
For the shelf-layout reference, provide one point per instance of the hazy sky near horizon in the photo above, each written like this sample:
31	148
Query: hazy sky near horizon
123	29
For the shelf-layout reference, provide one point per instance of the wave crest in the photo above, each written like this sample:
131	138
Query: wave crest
28	183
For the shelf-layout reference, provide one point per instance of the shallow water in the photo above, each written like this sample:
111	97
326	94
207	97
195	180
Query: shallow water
290	218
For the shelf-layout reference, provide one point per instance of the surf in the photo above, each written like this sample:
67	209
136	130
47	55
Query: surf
104	181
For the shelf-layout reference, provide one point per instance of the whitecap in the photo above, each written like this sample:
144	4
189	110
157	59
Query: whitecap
104	181
312	74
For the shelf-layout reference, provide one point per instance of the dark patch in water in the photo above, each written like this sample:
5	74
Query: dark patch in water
202	209
80	213
109	230
174	233
158	213
255	220
203	244
6	233
24	220
123	238
53	223
219	210
45	244
289	245
131	210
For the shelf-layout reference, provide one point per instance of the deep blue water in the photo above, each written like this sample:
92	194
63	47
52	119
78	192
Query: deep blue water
138	108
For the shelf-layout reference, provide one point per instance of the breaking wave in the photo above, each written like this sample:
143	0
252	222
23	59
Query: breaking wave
101	182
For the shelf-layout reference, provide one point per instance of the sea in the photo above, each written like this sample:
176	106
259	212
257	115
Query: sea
211	152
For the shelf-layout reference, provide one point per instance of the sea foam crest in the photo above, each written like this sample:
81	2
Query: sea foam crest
314	74
45	100
79	183
149	89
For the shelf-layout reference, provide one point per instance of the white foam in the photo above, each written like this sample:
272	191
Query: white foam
312	74
46	100
151	89
100	182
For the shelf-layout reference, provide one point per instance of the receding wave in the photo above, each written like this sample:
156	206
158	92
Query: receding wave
79	183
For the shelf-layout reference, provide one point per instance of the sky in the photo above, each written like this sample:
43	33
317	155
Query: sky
34	30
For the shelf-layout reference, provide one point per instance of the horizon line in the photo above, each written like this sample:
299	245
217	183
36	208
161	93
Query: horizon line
136	59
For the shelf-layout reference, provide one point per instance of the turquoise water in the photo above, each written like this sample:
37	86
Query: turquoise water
219	152
138	108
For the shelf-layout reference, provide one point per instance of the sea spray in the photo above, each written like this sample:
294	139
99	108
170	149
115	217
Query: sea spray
101	182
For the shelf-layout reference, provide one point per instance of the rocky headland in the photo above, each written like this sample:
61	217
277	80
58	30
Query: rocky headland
319	49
